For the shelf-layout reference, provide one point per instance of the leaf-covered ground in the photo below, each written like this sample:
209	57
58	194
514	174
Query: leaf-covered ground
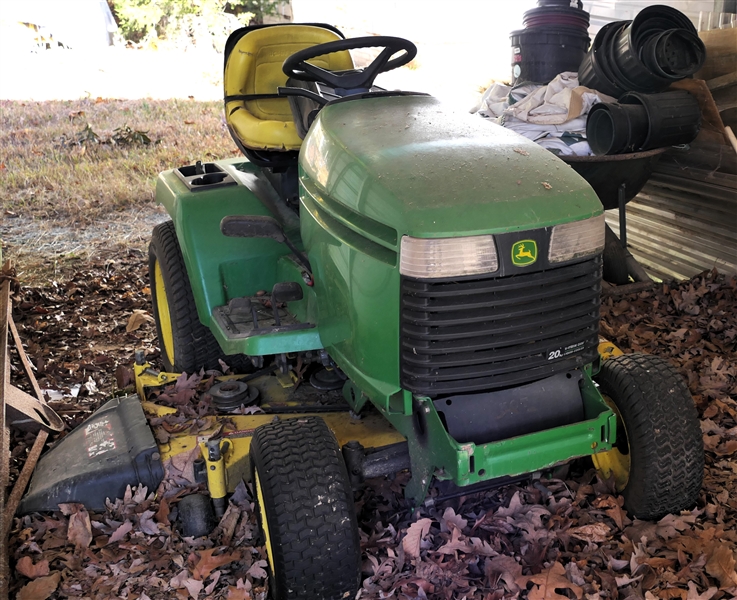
564	535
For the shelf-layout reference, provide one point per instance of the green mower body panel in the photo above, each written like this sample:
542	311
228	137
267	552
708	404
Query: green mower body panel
374	170
219	268
406	165
370	172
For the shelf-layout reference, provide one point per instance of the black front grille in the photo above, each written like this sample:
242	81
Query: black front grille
485	334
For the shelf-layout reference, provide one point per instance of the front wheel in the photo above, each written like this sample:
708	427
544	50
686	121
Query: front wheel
658	461
306	511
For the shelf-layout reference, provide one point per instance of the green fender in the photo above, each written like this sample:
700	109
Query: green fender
219	267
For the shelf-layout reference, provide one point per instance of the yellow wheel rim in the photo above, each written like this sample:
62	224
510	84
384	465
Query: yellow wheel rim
264	522
162	310
615	462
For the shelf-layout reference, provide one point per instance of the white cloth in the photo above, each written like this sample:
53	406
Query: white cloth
553	115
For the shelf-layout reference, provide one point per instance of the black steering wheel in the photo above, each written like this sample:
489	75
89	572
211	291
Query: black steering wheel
296	65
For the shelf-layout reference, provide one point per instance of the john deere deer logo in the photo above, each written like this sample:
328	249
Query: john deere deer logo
524	253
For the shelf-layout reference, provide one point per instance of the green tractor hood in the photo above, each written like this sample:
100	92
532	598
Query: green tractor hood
412	165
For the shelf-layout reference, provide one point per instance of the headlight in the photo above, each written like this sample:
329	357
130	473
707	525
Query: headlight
447	257
577	239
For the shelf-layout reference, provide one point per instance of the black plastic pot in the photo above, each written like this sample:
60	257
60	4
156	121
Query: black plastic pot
543	53
658	47
673	117
613	128
675	53
566	3
594	71
633	70
656	19
556	15
608	61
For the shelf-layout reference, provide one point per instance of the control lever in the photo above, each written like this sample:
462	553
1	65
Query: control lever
287	291
258	226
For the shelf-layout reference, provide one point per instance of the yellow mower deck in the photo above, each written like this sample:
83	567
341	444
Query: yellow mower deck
235	431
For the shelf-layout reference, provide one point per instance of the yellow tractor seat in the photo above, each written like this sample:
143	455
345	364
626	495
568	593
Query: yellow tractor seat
256	116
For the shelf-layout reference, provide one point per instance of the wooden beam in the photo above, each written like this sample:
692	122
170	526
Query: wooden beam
24	359
25	476
723	81
4	436
730	136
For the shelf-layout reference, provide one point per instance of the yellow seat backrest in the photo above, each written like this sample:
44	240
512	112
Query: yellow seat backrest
254	66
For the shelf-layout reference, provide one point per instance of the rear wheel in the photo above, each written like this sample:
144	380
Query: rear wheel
186	344
658	461
306	510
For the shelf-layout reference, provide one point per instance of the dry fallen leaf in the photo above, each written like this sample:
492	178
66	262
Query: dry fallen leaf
258	570
209	562
79	532
138	319
596	532
473	545
505	568
727	448
41	588
147	524
237	594
415	534
26	567
547	582
194	587
721	565
693	592
450	519
120	532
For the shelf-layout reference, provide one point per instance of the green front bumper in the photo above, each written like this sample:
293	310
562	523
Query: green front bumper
435	453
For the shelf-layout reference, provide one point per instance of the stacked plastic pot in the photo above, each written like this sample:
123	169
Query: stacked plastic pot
640	122
633	61
645	55
554	39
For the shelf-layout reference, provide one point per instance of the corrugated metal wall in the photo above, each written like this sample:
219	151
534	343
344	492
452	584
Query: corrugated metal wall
684	221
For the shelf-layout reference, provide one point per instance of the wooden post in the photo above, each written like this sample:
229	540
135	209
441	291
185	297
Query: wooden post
4	436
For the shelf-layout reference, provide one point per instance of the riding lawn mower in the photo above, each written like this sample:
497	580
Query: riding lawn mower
396	286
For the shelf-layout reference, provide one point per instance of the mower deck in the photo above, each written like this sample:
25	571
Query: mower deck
223	441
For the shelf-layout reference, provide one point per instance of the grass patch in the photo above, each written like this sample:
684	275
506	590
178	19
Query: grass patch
50	169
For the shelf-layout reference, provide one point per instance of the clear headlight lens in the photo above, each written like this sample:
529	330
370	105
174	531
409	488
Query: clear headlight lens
447	257
577	239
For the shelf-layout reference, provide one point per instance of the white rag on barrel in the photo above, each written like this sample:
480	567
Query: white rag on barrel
553	115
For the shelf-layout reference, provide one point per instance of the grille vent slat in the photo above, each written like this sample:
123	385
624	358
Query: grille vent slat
490	333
